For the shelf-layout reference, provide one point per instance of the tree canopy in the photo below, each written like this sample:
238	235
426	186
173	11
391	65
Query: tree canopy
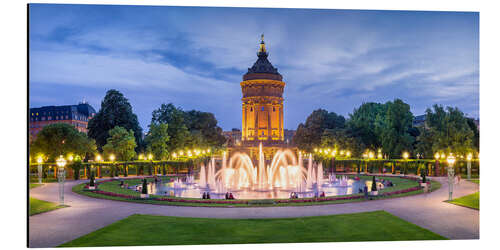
61	139
394	129
188	128
115	111
389	127
157	140
366	122
447	130
308	135
121	143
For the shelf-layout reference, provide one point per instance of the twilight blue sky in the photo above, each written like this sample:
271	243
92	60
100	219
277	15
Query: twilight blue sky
195	57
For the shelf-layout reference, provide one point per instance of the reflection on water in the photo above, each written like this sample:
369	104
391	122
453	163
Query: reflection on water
178	188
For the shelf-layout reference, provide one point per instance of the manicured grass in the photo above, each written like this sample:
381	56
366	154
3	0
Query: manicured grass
34	185
471	201
475	181
38	206
141	230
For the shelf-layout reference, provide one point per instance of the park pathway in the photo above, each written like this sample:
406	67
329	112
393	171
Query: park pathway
87	214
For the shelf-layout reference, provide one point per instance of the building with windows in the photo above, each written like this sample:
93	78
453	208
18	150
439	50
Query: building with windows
75	115
262	102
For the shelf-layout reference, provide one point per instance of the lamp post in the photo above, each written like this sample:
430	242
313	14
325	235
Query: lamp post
451	174
61	175
405	156
40	161
469	159
113	169
150	158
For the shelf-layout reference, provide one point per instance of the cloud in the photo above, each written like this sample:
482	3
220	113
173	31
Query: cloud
328	58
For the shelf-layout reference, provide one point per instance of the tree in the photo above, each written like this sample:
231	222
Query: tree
188	129
394	129
61	139
157	139
308	135
446	130
475	130
121	143
115	111
177	129
342	139
206	124
366	122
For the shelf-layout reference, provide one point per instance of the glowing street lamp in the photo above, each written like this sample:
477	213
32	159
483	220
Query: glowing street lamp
451	175
406	155
70	157
348	154
40	161
174	155
112	157
150	157
371	155
98	158
469	159
61	175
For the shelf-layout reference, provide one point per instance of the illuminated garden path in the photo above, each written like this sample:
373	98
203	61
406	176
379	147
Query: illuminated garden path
87	214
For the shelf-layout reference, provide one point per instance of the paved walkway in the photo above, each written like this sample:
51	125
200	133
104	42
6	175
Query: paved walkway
87	214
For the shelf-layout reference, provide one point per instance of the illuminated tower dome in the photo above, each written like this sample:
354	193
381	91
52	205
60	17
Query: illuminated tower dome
262	102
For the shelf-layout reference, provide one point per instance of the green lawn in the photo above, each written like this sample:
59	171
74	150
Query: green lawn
475	181
471	201
38	206
34	185
140	230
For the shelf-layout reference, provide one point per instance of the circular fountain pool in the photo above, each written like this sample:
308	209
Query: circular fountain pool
332	186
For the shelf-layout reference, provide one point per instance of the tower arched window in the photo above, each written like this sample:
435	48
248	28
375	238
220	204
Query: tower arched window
262	109
274	109
251	109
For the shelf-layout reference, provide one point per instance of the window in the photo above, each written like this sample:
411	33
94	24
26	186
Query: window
262	109
274	109
262	131
251	109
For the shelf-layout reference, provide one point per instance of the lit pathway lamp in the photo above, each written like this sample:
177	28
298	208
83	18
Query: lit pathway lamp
61	175
40	161
436	168
405	156
451	174
469	159
113	169
150	157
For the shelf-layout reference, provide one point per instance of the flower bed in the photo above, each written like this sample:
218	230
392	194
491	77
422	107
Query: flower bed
277	201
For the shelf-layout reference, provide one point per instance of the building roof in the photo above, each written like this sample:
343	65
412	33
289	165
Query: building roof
262	68
81	111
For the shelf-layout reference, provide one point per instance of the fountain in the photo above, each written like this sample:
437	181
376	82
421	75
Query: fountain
239	175
202	183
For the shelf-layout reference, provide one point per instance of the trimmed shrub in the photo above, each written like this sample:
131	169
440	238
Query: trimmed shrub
92	181
76	166
374	184
144	186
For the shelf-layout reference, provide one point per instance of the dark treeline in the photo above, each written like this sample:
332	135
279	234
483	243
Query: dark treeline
389	127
